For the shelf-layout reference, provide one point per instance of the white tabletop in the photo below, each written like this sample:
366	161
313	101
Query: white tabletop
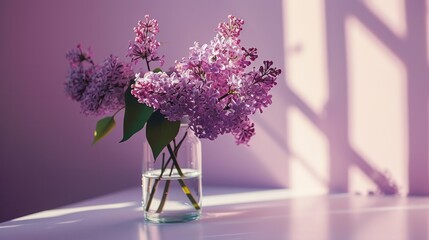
234	214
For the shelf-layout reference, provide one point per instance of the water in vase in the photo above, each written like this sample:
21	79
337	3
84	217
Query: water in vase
173	197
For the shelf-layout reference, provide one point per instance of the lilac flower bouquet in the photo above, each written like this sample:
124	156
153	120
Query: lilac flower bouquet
214	87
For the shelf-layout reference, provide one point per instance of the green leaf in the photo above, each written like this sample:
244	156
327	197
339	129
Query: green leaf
157	70
160	132
103	127
136	115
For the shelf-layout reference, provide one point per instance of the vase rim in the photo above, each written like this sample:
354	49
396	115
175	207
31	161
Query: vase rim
184	120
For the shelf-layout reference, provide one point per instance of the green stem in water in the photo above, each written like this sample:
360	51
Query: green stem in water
164	196
152	193
155	184
182	183
167	186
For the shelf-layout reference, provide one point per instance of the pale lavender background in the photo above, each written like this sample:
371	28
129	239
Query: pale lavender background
45	155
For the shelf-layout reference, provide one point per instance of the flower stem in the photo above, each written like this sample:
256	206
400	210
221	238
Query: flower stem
182	183
167	184
186	190
164	196
152	193
155	184
147	65
166	187
114	114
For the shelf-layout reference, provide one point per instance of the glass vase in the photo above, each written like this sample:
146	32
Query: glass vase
172	182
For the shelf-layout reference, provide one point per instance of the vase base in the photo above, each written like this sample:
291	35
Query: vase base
162	218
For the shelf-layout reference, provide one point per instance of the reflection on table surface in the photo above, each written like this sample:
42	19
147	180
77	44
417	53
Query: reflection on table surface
232	213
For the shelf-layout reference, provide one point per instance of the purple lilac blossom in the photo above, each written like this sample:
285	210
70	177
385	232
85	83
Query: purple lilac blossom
99	88
145	45
81	69
105	92
212	87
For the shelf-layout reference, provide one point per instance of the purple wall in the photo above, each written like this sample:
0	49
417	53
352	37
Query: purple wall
323	128
46	157
45	152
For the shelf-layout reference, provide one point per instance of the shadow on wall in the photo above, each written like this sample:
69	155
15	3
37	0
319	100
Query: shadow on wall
335	121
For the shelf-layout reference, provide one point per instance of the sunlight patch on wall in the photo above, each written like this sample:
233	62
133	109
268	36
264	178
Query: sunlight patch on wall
392	13
309	161
359	182
305	43
377	97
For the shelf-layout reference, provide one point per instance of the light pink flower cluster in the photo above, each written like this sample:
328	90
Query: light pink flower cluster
145	45
212	86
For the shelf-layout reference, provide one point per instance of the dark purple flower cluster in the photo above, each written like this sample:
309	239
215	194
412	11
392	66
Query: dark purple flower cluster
99	88
212	86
